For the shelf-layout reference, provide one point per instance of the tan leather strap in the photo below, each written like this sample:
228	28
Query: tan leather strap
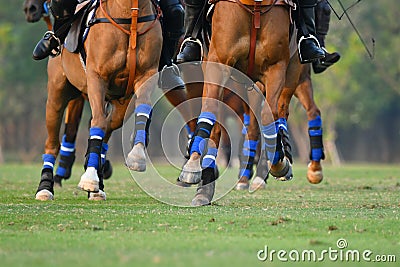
132	48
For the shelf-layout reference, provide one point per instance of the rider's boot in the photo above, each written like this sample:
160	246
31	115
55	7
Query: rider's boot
322	18
308	45
50	44
172	26
191	48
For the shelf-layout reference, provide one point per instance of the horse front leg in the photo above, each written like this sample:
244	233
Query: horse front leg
272	125
92	179
304	92
144	86
212	94
209	174
57	100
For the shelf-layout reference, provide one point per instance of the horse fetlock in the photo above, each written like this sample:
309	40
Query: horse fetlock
136	159
89	180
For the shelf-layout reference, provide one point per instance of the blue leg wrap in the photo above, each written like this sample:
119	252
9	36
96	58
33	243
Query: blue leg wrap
246	122
104	149
143	114
316	144
205	123
67	154
247	158
48	161
189	132
281	124
273	142
209	158
94	148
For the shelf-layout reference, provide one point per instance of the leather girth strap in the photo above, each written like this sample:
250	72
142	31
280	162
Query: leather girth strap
132	42
132	48
256	24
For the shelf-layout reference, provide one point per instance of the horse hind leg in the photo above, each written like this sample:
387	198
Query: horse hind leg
314	171
67	151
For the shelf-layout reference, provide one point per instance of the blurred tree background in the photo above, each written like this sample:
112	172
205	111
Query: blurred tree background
359	97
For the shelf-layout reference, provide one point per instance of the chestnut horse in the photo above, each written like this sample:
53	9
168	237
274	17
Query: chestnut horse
232	25
104	79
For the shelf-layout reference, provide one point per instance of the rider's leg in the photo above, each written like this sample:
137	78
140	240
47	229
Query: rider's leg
62	11
191	48
172	26
322	18
309	49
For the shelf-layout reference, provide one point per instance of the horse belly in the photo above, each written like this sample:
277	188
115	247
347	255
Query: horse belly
74	70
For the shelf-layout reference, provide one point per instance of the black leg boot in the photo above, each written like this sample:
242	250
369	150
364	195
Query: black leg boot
322	18
191	49
308	45
50	44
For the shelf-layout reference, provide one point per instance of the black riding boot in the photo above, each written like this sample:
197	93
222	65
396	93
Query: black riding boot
309	49
322	18
172	26
51	42
191	48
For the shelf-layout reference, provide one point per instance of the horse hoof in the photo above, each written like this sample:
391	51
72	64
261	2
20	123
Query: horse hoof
258	183
191	172
89	180
282	171
204	195
136	159
182	184
242	184
314	172
44	195
97	196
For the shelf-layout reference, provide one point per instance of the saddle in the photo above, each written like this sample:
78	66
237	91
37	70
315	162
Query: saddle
85	12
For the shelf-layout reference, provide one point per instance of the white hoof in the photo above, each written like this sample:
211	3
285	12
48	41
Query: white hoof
258	183
89	180
101	195
136	159
44	195
191	172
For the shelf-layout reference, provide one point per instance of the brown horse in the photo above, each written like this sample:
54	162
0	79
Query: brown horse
298	83
34	11
103	79
231	28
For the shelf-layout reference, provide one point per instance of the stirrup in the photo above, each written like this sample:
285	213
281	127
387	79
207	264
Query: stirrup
55	51
194	40
302	38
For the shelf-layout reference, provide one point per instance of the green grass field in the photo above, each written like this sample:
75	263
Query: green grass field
360	204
